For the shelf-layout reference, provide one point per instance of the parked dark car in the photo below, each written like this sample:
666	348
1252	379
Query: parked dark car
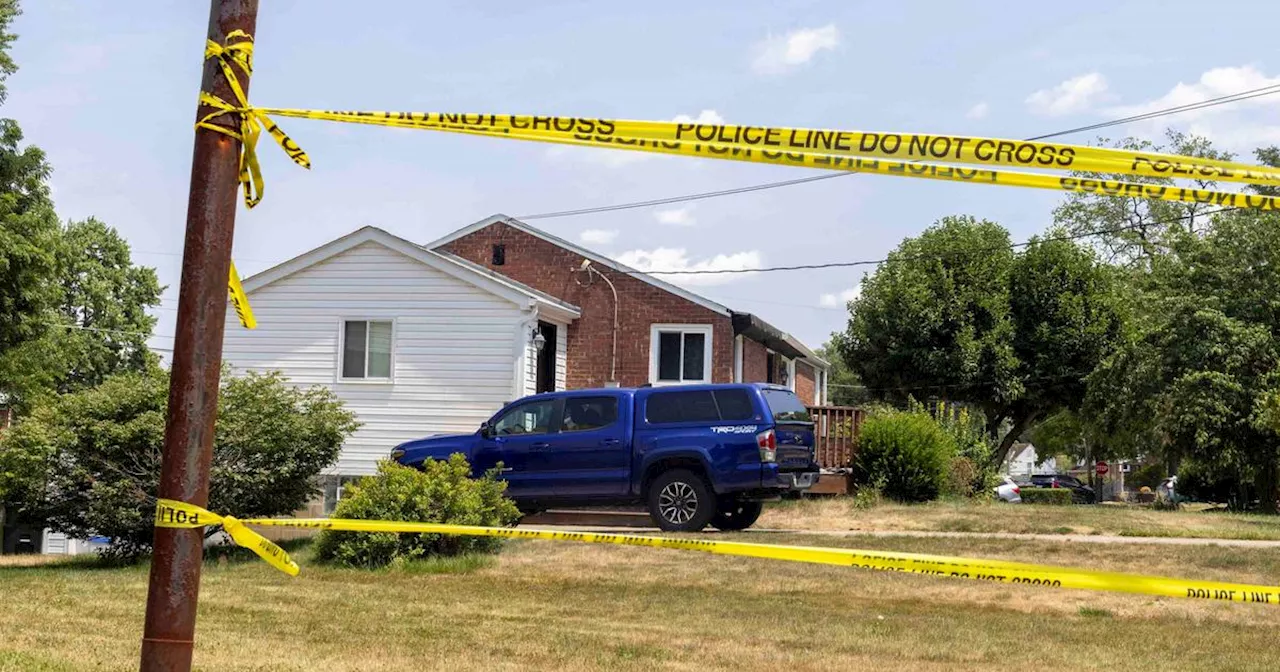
1080	492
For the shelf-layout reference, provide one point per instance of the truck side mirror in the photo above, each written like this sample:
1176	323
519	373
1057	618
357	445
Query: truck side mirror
486	430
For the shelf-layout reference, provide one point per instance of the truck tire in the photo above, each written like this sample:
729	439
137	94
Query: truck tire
680	501
736	515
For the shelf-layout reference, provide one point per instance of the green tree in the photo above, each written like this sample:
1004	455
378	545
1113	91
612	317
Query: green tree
28	244
89	462
1135	230
956	314
844	388
103	300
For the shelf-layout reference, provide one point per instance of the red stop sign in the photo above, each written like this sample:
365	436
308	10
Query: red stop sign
1102	468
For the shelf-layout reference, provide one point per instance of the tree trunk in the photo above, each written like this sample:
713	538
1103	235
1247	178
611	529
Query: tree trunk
1268	488
1021	421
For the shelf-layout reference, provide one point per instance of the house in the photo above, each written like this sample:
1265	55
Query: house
424	339
1025	462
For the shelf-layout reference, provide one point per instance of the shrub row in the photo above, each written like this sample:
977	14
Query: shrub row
1054	496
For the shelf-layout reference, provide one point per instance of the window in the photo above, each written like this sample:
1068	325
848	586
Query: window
786	406
531	418
668	407
735	405
499	255
366	349
680	353
586	413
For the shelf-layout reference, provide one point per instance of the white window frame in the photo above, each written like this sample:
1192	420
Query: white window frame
682	329
342	344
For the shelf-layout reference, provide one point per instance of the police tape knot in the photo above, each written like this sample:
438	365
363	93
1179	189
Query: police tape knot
249	121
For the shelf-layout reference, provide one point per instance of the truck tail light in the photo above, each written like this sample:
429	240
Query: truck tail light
1017	490
768	443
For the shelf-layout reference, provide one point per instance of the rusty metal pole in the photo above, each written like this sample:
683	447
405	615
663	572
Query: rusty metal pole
174	585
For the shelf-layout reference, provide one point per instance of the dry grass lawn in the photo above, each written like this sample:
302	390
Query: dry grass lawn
965	516
563	606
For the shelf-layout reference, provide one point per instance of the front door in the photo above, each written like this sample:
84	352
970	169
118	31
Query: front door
546	363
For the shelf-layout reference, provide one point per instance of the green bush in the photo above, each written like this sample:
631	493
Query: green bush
962	477
1053	496
88	462
904	455
442	492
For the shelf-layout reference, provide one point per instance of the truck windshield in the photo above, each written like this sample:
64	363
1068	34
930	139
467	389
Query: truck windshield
786	406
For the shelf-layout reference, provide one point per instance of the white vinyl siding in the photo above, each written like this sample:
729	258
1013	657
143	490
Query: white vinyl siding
452	345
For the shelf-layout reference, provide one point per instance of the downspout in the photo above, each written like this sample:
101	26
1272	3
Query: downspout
613	354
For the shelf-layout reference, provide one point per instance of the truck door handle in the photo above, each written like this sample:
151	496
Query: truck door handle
541	445
609	442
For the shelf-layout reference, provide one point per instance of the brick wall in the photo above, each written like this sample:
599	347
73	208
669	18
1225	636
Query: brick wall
806	383
755	362
553	269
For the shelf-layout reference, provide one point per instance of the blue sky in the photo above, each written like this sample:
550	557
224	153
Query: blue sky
110	96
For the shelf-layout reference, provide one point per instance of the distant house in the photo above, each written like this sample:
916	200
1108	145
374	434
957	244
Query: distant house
1026	462
424	339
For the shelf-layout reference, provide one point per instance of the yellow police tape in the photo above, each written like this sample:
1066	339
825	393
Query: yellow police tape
240	300
170	513
1147	164
781	140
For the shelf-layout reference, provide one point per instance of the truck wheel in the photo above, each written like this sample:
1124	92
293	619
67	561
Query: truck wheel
737	515
680	501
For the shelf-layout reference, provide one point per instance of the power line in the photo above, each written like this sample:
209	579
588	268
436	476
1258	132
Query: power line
1212	102
873	262
109	331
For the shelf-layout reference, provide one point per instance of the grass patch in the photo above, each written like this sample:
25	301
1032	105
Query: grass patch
551	606
973	516
462	564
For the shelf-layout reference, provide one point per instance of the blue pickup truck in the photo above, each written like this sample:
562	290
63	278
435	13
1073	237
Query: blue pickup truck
697	455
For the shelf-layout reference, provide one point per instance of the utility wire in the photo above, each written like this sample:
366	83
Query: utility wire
872	262
1212	102
109	331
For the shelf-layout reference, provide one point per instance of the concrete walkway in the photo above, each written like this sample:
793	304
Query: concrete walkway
1070	538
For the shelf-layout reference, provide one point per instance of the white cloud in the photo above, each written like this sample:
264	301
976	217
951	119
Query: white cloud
704	117
677	259
598	156
776	55
838	300
598	236
1078	94
978	111
676	217
1238	126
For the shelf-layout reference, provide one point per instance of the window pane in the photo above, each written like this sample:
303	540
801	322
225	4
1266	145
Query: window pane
786	406
379	349
585	413
664	407
531	418
353	350
735	405
695	355
669	355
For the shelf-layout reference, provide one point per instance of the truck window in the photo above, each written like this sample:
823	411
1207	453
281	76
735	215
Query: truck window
735	405
586	413
530	418
668	407
786	406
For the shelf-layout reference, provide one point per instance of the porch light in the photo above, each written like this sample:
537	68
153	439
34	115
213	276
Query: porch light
539	341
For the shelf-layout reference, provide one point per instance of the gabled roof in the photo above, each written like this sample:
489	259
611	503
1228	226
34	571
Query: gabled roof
496	284
581	251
